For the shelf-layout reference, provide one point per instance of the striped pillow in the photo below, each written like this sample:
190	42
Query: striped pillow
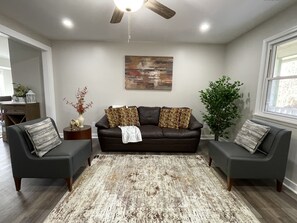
251	135
43	136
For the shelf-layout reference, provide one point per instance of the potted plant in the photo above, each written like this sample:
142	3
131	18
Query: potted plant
220	104
20	92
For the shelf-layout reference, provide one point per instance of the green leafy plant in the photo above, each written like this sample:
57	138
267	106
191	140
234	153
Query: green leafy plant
220	104
20	90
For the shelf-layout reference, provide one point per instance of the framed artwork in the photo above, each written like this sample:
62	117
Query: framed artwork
148	72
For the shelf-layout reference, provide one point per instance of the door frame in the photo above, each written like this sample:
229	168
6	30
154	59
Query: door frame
47	66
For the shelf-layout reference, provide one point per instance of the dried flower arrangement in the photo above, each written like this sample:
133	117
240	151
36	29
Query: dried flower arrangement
80	105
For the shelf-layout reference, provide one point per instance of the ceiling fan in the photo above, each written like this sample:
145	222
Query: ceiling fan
123	6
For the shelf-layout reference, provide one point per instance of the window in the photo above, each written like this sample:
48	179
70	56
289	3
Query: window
278	91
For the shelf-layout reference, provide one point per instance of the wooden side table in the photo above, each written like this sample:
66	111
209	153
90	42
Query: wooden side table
78	133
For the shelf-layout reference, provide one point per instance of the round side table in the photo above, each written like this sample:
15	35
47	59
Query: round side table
78	133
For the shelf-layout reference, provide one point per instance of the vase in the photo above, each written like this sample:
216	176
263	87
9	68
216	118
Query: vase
81	120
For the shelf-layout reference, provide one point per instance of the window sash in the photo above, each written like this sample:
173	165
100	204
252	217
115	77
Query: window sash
269	51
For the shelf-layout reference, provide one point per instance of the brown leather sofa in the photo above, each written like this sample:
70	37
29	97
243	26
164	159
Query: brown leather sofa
154	138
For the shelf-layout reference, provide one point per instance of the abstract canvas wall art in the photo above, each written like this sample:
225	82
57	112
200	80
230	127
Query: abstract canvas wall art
148	72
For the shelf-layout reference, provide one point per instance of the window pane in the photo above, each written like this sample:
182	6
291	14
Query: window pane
282	97
286	59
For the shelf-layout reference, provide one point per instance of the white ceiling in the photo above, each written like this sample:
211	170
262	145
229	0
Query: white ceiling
228	18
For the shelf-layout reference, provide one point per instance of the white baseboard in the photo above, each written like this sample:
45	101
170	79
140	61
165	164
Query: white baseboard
207	137
290	185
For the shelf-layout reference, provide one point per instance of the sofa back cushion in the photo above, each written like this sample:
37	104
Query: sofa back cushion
267	143
149	115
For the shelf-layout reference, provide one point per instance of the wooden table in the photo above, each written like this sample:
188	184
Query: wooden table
78	133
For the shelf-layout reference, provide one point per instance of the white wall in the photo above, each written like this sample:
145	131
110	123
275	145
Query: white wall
100	66
243	57
12	24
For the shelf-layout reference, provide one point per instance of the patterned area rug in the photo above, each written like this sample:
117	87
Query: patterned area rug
150	189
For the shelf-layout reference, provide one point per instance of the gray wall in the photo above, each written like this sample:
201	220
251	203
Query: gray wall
243	58
26	69
100	67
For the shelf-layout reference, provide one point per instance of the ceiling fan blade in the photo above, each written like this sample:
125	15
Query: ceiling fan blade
116	16
160	9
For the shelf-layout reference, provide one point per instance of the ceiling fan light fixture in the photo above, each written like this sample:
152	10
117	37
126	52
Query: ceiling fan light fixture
129	5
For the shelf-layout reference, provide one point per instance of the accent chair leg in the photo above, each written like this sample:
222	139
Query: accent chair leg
89	161
17	182
229	183
69	183
279	186
209	161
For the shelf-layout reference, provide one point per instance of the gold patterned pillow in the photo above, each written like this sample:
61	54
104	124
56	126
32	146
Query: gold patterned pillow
129	116
113	117
184	119
169	118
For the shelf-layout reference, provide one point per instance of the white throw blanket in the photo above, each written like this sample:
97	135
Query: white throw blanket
130	134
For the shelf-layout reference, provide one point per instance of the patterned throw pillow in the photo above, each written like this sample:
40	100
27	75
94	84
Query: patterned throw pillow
129	116
169	118
43	136
113	117
184	119
251	135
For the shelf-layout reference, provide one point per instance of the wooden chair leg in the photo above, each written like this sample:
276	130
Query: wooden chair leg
229	183
69	183
209	161
89	161
17	182
279	185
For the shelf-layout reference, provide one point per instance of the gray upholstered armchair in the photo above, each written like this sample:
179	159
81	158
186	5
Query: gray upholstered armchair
61	162
237	162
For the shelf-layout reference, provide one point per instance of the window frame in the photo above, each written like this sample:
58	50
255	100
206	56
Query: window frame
267	63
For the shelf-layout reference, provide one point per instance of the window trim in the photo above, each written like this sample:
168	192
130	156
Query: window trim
267	51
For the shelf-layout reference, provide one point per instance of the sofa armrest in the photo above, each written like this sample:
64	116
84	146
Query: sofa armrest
194	124
103	123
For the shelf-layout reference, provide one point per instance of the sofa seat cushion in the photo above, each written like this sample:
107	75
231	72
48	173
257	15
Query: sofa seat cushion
179	133
151	132
67	148
111	132
232	150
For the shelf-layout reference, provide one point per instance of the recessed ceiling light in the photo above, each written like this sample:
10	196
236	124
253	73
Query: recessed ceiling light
67	23
204	27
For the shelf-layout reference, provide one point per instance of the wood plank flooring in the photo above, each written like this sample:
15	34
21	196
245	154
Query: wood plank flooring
39	196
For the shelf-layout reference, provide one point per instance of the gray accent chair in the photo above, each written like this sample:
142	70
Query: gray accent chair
268	162
61	162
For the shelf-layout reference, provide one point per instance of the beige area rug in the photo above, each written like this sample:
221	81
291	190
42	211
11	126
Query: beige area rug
150	189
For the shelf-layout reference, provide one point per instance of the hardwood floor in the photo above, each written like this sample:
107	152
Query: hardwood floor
39	196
